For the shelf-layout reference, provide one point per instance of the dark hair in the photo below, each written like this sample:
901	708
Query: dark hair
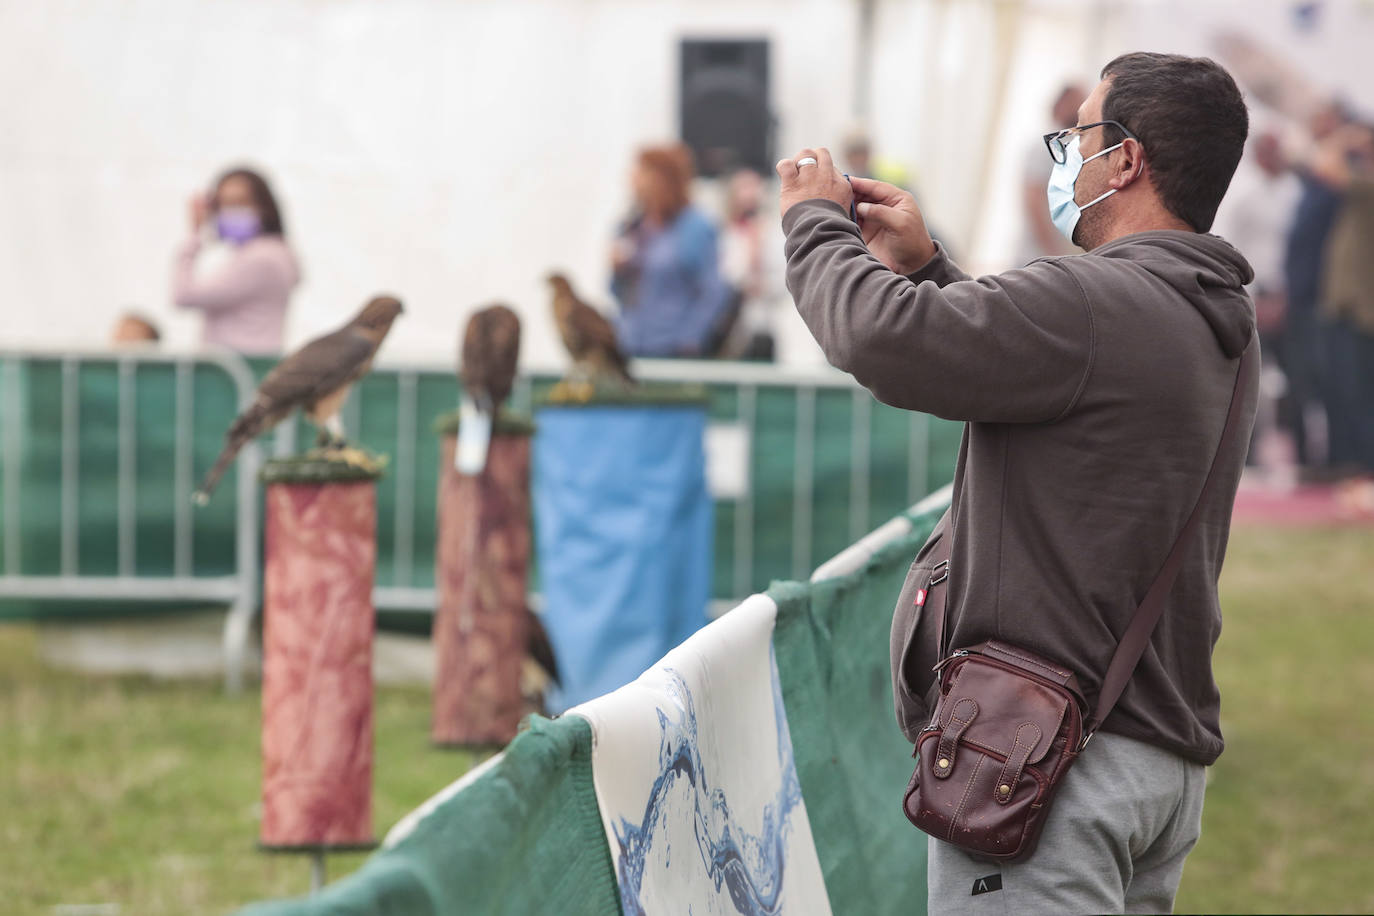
1189	116
262	198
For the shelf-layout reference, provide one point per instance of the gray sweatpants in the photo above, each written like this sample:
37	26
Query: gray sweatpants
1122	823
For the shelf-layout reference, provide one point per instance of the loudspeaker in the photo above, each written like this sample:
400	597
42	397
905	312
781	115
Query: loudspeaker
723	109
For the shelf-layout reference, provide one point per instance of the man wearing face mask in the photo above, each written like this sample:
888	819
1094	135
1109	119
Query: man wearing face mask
244	300
1095	388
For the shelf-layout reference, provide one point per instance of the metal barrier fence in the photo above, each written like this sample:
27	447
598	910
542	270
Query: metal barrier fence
96	508
800	461
101	452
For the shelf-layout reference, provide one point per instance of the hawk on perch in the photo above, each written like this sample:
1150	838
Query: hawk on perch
316	378
486	364
589	337
487	360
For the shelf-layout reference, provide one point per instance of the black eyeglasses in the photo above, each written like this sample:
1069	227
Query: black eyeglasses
1058	141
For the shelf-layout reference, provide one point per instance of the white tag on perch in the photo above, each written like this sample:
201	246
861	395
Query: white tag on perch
474	438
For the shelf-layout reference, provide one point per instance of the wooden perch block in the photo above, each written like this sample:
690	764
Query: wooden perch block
481	625
318	620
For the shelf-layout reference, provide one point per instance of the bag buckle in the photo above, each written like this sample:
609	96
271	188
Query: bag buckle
939	574
1086	738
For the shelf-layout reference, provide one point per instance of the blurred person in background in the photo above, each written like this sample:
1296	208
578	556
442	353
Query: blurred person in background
859	160
664	262
1304	255
244	299
1039	238
1345	163
133	329
858	155
1255	218
751	263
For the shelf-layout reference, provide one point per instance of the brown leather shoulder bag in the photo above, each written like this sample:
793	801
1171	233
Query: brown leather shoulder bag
1008	724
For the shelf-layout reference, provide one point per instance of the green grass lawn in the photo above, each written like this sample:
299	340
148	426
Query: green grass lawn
144	793
1286	827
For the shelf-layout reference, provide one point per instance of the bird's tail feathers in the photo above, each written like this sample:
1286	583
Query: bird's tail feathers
539	647
243	429
247	424
207	486
622	371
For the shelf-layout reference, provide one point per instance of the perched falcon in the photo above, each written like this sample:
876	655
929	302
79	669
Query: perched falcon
486	364
316	377
589	337
487	361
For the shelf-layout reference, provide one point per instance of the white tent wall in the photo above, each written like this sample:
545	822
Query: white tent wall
960	91
453	152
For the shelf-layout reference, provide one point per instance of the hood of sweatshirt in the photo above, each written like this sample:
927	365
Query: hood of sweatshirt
1205	269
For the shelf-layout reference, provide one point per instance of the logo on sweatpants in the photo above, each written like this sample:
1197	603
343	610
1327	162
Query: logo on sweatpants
987	885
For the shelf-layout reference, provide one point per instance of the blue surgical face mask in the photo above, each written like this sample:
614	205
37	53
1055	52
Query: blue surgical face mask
237	225
1063	211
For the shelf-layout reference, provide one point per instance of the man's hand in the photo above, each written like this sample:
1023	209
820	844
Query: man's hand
892	225
812	180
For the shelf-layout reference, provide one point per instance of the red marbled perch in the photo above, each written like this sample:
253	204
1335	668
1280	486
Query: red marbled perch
481	625
317	664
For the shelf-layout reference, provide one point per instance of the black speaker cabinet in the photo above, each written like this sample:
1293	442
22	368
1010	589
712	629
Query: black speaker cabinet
723	107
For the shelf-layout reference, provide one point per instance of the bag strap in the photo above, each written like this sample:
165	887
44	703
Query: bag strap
940	556
1142	625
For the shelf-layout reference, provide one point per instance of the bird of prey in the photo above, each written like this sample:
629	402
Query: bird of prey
589	337
317	378
539	647
539	667
486	364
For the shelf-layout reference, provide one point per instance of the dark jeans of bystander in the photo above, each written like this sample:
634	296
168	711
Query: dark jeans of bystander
1348	382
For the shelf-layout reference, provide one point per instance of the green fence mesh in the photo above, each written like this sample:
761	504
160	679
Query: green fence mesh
831	643
392	413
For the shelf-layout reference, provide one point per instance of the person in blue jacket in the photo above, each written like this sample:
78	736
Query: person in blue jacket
665	275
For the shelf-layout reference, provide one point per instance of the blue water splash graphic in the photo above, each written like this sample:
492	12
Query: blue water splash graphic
750	867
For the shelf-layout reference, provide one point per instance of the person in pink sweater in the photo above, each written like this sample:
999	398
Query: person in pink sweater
244	300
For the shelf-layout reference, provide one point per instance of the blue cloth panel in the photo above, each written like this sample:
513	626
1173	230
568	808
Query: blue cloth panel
623	532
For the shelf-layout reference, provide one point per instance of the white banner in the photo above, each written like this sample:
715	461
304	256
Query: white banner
694	774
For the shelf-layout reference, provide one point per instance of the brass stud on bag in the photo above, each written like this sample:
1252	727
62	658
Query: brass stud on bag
1004	789
942	763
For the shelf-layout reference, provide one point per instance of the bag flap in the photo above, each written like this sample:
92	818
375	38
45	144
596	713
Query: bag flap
1005	703
1035	664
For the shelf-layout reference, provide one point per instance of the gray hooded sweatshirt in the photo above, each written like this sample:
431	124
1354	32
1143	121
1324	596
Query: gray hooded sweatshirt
1095	388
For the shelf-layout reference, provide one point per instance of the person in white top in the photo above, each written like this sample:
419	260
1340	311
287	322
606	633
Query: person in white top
1256	218
751	262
